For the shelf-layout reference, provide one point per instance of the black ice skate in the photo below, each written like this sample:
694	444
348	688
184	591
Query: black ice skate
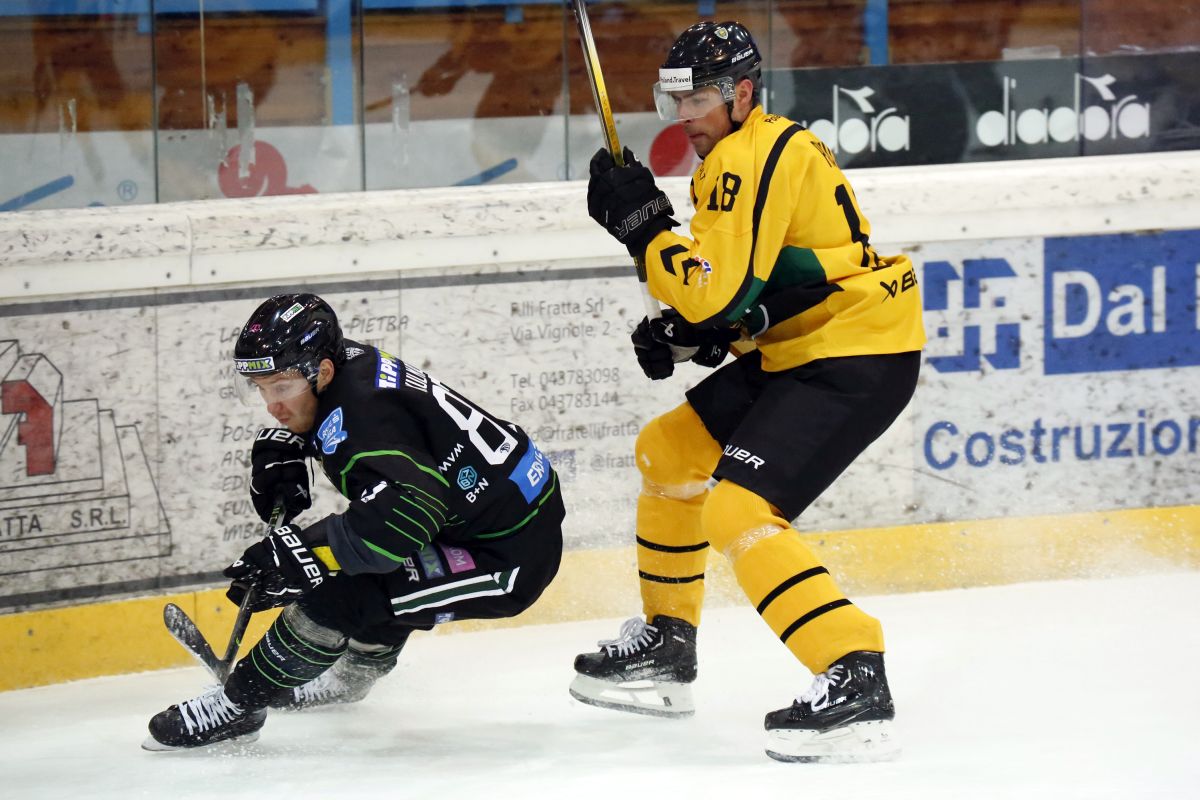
210	718
347	681
845	716
648	669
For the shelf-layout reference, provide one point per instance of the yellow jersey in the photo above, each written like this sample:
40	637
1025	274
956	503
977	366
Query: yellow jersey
779	245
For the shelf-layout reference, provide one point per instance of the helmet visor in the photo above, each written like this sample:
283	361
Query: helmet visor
676	104
276	387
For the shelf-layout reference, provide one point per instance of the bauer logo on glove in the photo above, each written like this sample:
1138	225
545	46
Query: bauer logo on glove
282	564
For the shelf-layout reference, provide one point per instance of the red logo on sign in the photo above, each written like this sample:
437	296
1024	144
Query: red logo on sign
266	176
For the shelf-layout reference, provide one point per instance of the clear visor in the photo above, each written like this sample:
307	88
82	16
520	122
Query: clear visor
677	105
274	388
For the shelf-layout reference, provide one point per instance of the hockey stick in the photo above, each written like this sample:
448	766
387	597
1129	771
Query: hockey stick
184	630
592	61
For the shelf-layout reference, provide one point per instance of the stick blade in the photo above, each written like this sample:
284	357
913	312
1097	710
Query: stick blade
184	631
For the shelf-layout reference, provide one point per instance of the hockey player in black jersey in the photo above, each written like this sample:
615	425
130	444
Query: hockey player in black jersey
453	514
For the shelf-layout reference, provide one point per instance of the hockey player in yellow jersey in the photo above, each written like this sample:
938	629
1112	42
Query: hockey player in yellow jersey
779	266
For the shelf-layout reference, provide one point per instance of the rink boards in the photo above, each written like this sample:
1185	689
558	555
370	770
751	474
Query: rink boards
1054	432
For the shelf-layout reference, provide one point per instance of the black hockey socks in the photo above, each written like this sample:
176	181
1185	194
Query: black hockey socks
347	681
294	651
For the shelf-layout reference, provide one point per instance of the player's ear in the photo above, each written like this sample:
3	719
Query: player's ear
743	99
325	373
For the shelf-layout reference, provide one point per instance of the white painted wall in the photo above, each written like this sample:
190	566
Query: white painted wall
75	251
123	320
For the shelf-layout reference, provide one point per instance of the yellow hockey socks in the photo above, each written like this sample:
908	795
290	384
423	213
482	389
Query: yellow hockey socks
791	590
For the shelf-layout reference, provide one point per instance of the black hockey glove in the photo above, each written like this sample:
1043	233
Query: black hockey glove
661	343
654	357
281	566
626	201
278	469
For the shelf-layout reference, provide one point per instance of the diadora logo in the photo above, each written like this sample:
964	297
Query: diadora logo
986	334
1104	116
857	126
467	477
1122	302
330	432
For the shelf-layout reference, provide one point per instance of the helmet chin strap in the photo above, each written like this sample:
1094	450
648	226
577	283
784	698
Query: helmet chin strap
736	125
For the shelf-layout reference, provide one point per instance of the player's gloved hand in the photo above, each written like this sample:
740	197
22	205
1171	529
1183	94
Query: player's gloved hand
654	357
626	201
278	469
673	337
282	567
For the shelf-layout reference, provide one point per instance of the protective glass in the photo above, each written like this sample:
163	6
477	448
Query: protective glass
274	388
680	104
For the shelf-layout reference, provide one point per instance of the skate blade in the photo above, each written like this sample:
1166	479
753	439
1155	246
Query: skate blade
155	746
856	743
652	698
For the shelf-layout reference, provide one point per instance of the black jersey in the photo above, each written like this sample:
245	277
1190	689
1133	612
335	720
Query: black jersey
418	462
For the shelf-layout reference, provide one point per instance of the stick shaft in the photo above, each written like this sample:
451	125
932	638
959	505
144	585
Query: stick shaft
591	60
243	616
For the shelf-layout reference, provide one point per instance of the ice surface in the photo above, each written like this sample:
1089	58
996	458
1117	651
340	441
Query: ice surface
1072	689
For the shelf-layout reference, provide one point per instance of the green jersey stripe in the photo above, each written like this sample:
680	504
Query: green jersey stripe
419	490
399	513
420	508
531	515
372	453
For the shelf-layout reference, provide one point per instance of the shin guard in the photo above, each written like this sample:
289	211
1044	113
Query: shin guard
792	591
294	650
675	456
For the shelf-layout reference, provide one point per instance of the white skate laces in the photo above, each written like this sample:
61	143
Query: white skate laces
209	710
635	634
817	695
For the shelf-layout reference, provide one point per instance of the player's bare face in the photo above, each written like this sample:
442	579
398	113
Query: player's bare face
705	131
297	414
289	400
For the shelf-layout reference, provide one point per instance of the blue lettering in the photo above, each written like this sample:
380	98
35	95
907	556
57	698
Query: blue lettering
1121	429
934	429
1095	451
1176	437
1010	441
989	445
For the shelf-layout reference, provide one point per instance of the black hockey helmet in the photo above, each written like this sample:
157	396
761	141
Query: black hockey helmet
708	54
289	331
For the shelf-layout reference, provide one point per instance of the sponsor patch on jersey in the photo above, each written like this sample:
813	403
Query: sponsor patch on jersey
530	473
387	373
431	565
353	352
458	559
330	432
675	80
443	617
291	312
250	365
467	478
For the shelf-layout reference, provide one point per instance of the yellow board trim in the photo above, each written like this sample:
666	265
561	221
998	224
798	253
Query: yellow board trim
115	637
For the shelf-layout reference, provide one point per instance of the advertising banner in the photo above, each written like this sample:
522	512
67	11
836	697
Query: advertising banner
1061	375
996	110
